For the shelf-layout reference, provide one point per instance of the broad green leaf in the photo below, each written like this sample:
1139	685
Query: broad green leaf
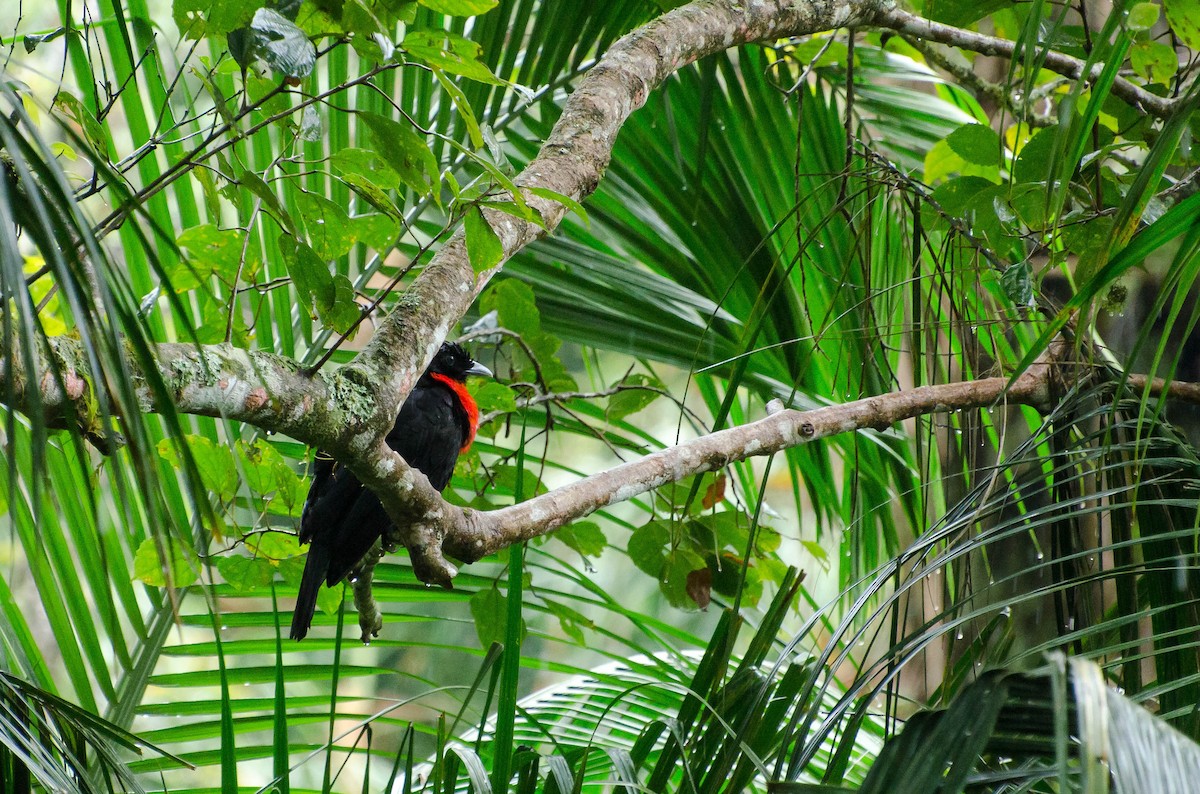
245	574
150	567
344	310
199	18
585	537
327	224
281	44
571	204
647	547
1184	18
215	464
213	252
404	150
260	463
366	164
492	395
633	399
956	194
377	232
483	246
93	132
1154	61
254	183
961	13
1017	282
571	621
450	52
1033	163
941	161
676	573
489	609
309	272
460	8
976	143
1142	16
274	546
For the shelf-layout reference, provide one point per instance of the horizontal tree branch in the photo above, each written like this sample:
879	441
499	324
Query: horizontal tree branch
469	534
911	24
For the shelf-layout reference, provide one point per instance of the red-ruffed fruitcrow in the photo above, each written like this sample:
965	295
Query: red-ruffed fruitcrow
342	519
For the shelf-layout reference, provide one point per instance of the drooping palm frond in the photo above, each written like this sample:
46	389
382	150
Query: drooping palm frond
54	743
1058	727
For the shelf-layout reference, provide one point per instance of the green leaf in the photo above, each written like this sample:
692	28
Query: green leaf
149	566
463	106
483	246
361	21
676	574
199	18
215	464
309	273
404	150
252	182
289	489
513	302
571	204
961	13
460	8
1184	18
634	399
344	310
93	132
492	395
1154	61
1033	162
327	224
515	307
955	195
367	165
1142	17
1017	282
212	252
281	43
585	537
572	621
377	232
450	52
260	464
976	143
329	599
647	547
245	574
941	161
274	546
489	609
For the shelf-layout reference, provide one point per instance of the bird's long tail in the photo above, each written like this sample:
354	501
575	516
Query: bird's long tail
310	584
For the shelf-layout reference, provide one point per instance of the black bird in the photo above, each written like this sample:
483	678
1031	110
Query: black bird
342	519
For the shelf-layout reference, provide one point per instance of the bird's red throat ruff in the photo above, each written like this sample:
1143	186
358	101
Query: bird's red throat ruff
468	404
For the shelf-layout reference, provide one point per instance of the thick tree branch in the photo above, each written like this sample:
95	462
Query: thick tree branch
469	535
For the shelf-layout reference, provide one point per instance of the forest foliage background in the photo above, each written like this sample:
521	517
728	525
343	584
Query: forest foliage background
925	230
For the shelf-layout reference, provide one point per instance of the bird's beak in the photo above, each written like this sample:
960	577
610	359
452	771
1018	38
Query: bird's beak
479	369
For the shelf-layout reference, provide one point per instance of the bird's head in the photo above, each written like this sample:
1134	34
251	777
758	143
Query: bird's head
455	362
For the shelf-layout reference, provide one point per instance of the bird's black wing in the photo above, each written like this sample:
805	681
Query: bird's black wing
334	489
360	528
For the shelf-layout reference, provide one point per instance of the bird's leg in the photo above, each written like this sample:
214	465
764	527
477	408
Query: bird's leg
370	618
